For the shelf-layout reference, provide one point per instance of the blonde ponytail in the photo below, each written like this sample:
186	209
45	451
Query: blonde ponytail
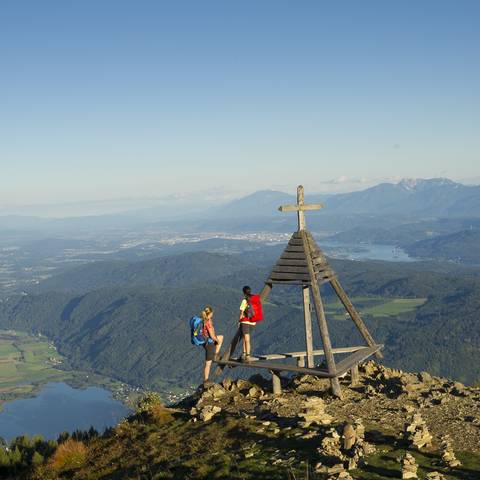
206	312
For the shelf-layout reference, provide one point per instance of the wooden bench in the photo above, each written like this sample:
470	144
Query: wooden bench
359	354
300	356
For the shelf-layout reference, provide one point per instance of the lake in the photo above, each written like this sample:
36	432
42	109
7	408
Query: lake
364	251
58	408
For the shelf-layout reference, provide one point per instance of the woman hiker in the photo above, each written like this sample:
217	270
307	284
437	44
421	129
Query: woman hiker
213	344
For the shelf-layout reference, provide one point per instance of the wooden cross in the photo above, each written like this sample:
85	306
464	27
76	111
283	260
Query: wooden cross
300	207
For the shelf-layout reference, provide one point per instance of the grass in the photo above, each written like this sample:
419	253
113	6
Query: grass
237	449
375	307
25	363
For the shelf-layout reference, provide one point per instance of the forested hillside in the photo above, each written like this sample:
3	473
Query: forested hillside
462	247
139	334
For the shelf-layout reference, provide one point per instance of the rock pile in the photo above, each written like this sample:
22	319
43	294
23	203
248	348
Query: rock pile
409	467
434	476
416	432
313	413
448	455
342	452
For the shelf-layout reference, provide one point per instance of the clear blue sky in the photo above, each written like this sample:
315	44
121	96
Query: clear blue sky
104	99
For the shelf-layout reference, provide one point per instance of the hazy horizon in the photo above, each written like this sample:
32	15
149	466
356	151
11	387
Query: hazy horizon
194	201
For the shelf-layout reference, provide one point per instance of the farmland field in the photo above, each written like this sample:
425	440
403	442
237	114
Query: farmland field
375	307
26	362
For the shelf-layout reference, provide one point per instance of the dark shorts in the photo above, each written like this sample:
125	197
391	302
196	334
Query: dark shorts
246	328
209	351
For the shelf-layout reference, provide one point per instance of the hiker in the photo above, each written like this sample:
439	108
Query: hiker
248	319
212	345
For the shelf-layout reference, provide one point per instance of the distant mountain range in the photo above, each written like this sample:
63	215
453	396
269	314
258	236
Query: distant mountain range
409	199
423	198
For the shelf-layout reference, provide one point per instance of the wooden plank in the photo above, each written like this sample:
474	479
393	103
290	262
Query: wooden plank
320	352
291	262
293	256
289	269
354	315
272	356
290	282
278	367
303	208
307	318
356	358
293	249
289	276
322	322
295	242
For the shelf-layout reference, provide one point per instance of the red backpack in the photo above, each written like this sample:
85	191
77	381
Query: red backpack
254	311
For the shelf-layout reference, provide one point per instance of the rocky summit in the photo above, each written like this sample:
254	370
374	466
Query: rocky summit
391	424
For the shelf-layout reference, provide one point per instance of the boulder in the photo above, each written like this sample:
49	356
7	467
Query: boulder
208	412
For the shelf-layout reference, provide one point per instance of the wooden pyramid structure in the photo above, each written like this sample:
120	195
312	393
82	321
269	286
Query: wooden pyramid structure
303	263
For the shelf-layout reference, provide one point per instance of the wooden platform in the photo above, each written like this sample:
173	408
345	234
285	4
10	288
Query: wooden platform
360	354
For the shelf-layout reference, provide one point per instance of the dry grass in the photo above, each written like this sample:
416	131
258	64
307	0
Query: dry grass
69	455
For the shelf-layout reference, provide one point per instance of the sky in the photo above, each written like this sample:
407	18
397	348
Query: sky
138	99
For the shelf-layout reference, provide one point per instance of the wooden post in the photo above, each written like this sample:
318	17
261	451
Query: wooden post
276	382
300	203
308	326
301	362
322	321
265	291
354	314
354	376
229	351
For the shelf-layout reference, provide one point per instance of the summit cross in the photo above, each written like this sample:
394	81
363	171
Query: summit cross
300	207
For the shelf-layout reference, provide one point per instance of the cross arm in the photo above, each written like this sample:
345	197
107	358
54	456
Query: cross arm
297	208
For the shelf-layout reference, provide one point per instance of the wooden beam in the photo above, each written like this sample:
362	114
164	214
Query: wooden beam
319	352
354	315
322	322
308	328
267	288
354	376
229	351
356	358
300	204
272	356
302	208
279	367
276	382
290	276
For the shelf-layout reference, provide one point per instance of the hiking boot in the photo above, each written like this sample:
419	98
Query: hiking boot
208	384
246	358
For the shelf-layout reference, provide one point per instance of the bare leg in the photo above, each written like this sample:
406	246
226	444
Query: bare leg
246	343
206	370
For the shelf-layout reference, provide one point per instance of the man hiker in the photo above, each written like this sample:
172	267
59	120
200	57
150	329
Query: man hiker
246	323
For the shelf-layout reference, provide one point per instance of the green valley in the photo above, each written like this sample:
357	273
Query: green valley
26	362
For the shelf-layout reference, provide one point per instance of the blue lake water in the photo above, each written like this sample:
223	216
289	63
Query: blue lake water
59	408
365	251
